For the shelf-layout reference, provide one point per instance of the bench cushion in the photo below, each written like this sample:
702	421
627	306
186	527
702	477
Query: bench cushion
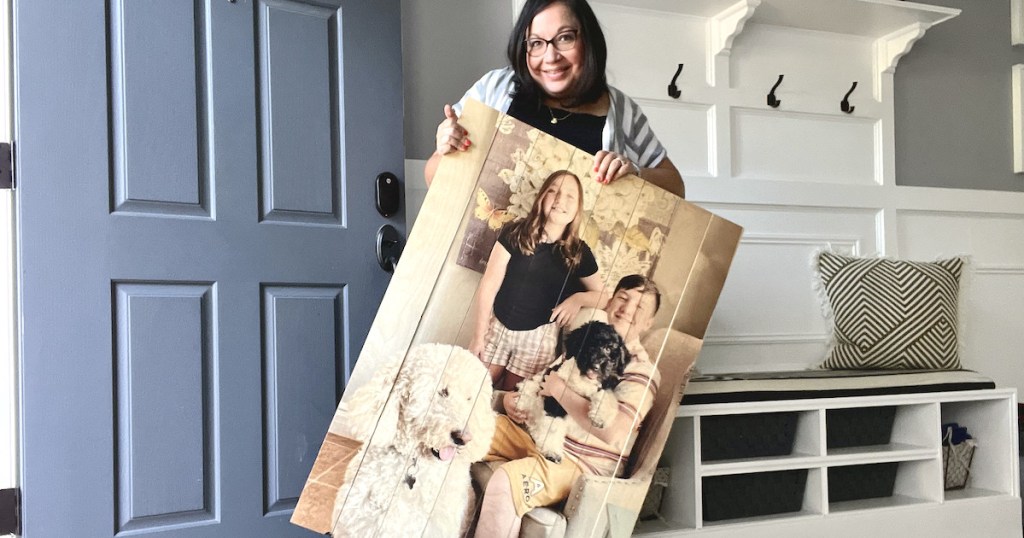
806	384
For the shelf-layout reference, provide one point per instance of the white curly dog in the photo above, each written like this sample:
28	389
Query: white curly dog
412	476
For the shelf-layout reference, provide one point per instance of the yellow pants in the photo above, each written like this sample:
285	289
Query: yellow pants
535	480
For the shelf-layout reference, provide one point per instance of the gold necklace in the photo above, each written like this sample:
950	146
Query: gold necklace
555	120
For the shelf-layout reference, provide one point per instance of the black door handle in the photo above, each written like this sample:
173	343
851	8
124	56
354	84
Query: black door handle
389	247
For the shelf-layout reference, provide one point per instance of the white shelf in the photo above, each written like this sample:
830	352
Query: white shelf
955	495
874	504
913	454
761	519
878	454
756	465
869	18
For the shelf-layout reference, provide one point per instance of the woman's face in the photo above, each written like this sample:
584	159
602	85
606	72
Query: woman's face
555	70
561	200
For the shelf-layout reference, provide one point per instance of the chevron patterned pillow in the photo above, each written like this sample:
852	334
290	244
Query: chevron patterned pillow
891	314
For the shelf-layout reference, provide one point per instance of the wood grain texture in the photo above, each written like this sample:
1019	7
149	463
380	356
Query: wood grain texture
632	226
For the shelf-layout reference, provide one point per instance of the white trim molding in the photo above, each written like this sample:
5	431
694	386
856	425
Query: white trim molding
9	430
1017	22
1017	81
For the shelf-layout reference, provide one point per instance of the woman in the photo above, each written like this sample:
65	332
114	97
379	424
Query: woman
539	275
557	84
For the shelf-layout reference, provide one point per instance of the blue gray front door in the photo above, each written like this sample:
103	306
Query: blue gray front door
197	261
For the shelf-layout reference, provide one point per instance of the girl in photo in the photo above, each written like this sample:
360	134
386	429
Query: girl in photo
538	276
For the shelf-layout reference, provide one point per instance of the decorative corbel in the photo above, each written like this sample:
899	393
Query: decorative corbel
890	48
722	30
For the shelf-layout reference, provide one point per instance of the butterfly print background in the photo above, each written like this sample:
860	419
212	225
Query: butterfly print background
625	227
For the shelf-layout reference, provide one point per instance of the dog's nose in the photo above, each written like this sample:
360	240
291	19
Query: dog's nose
461	437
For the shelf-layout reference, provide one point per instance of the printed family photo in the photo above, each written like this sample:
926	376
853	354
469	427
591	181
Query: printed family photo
533	352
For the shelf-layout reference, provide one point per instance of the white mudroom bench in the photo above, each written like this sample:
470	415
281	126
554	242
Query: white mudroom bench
837	454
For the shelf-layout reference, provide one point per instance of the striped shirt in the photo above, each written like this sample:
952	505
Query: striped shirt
626	129
636	394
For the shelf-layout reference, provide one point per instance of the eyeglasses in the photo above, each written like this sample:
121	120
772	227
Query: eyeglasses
564	41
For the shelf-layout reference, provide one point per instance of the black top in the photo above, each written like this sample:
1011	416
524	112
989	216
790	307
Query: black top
535	284
581	130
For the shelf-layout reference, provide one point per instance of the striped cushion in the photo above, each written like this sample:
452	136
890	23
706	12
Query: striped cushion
891	314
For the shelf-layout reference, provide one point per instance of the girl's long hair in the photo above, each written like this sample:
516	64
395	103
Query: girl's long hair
592	84
526	233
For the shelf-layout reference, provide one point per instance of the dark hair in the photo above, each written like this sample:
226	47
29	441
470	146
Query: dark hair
526	233
592	84
646	286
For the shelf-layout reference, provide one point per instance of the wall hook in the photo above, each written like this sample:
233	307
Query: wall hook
673	90
845	105
772	100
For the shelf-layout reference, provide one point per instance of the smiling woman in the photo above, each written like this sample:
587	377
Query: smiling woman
556	82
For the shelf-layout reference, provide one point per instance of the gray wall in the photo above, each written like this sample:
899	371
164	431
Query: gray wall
953	107
446	46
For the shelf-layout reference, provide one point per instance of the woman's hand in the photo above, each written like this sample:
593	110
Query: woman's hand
450	135
511	404
566	311
609	166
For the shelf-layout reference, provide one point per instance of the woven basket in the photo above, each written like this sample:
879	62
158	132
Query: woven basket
651	507
956	461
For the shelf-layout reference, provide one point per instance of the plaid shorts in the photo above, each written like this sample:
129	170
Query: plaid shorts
535	480
523	353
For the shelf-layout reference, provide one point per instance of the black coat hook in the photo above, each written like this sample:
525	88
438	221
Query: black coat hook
845	105
673	90
772	100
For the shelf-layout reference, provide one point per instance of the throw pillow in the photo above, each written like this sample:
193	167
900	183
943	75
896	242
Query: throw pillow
891	314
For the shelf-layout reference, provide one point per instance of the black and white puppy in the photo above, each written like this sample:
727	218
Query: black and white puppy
592	365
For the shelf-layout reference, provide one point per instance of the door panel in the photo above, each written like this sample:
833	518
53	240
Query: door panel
164	447
302	326
158	90
197	266
299	106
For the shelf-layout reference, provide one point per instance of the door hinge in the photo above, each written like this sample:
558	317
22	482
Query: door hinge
6	165
10	511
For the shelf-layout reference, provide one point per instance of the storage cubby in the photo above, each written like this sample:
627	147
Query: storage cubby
990	423
734	464
752	494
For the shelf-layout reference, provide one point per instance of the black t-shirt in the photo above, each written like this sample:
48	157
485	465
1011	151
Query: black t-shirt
581	130
535	284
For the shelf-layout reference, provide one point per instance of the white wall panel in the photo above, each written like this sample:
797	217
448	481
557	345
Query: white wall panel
663	40
769	144
769	316
808	59
686	131
993	300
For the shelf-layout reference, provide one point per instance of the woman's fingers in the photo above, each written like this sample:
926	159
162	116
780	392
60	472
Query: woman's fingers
449	113
609	166
450	135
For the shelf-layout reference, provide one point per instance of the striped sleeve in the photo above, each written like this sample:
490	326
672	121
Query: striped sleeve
628	131
493	89
639	386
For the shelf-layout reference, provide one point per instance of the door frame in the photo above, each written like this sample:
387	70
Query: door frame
9	386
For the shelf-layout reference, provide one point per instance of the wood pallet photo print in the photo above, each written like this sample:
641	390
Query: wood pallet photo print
419	409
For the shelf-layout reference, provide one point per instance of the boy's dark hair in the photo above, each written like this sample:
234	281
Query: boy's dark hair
646	285
592	83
